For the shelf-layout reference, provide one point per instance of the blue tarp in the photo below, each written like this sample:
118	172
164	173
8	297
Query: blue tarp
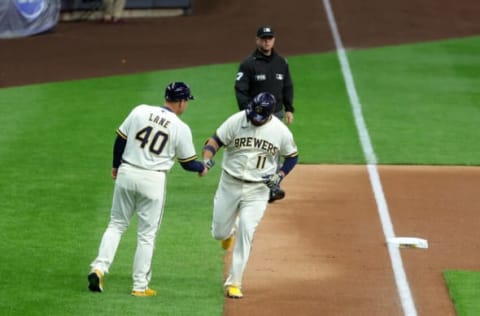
20	18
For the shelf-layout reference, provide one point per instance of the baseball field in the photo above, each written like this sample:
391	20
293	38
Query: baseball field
387	114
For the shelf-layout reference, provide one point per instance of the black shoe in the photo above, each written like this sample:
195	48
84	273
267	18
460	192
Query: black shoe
95	281
276	194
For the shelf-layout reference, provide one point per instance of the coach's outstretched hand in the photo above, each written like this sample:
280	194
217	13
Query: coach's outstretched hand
203	173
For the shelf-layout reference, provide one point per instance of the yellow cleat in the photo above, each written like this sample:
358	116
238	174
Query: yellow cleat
95	281
234	291
147	292
227	244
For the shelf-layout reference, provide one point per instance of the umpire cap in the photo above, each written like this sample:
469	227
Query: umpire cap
178	91
265	31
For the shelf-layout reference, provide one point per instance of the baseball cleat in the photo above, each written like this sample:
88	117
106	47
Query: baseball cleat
148	292
95	281
227	244
276	194
234	291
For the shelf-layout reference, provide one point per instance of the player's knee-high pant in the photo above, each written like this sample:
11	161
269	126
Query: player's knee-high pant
225	207
250	216
248	202
149	218
138	191
119	221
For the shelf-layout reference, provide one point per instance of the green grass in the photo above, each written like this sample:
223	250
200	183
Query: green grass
56	149
422	102
464	289
323	126
421	105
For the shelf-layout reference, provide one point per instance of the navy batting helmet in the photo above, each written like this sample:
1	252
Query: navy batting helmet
261	108
177	91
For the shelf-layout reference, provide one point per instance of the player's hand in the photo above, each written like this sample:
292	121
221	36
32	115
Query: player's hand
204	172
114	173
273	180
209	163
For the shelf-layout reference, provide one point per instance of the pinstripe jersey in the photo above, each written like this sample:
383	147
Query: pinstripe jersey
155	137
250	151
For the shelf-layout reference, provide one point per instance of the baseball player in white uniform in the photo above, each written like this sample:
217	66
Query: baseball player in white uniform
252	139
147	143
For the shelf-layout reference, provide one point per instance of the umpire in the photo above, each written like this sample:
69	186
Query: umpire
266	71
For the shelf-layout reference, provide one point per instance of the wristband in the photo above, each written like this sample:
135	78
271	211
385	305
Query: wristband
210	148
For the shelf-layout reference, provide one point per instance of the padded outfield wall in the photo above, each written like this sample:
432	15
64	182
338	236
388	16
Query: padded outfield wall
72	5
20	18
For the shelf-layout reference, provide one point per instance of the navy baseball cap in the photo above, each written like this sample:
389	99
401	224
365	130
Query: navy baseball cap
265	31
177	91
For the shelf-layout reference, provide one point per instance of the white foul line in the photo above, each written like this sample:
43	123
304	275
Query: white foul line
400	277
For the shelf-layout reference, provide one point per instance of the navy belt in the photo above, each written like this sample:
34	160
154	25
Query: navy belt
131	164
241	180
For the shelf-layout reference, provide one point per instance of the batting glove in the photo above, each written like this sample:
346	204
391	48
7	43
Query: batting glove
209	163
273	180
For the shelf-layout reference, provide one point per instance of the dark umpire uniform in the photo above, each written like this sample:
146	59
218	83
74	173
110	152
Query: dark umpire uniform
262	72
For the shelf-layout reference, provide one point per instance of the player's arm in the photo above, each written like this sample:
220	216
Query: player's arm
192	164
290	155
288	164
118	149
212	145
185	152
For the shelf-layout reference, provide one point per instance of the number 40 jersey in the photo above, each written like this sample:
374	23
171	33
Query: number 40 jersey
155	136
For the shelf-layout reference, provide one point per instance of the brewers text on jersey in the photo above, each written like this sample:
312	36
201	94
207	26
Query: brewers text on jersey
258	143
